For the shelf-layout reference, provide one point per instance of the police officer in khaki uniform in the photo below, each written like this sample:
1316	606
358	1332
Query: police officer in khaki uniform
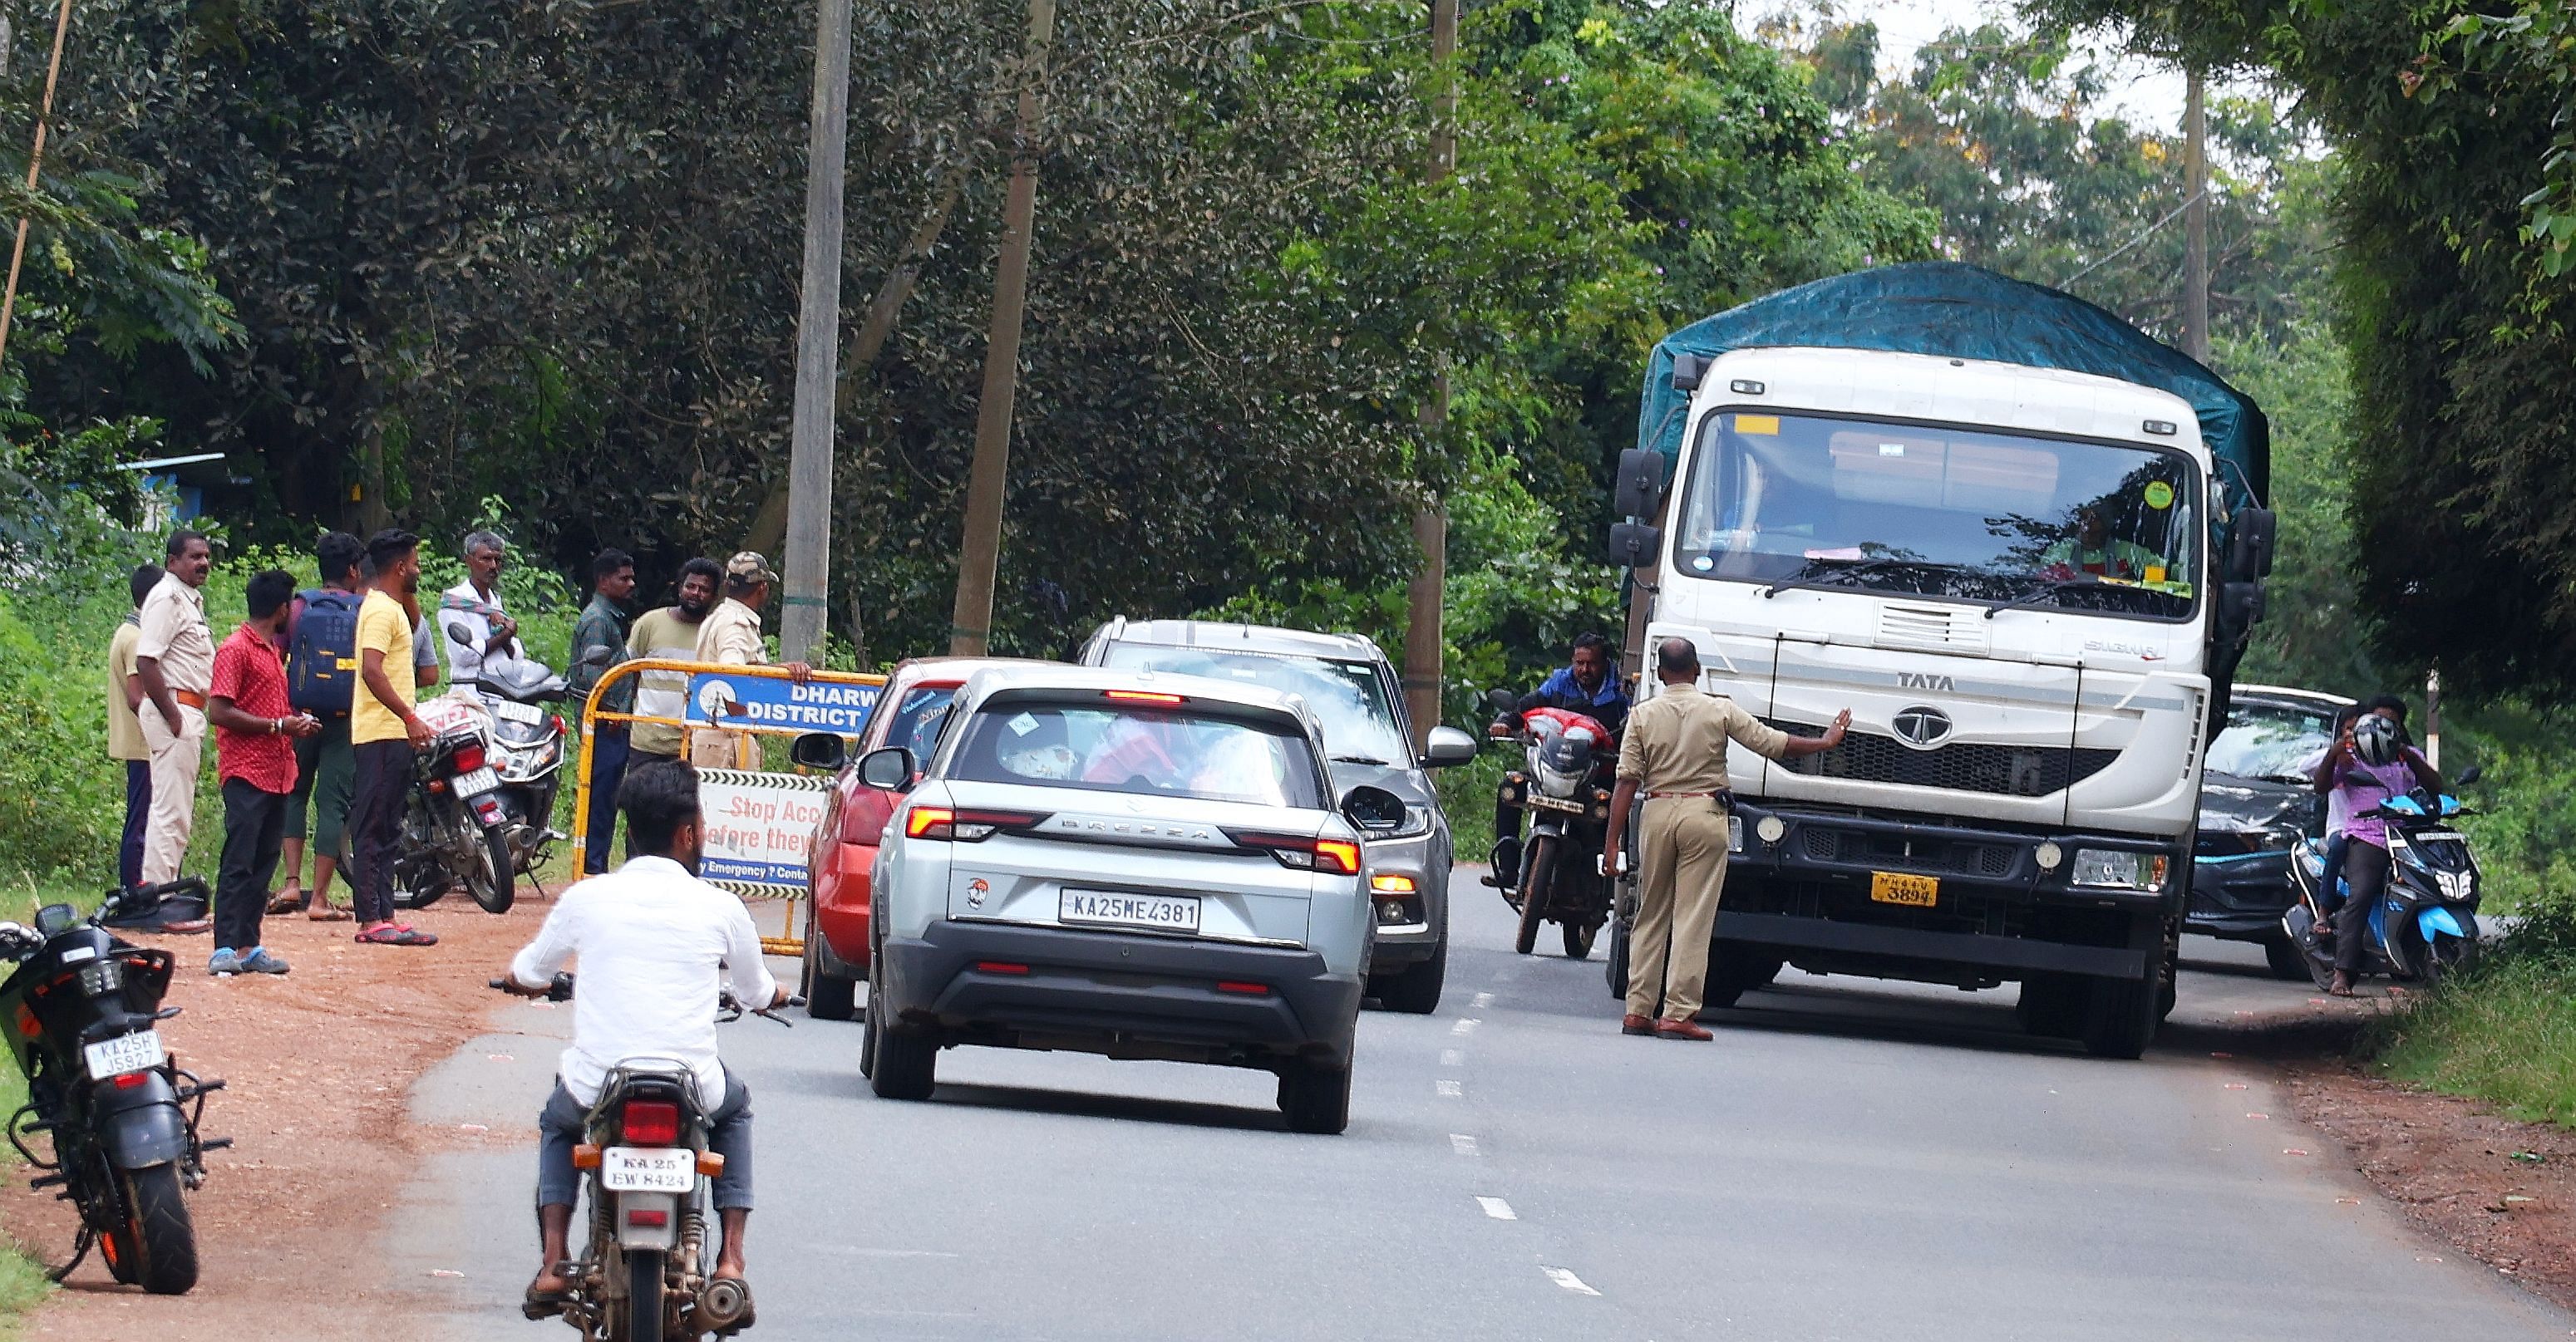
1676	751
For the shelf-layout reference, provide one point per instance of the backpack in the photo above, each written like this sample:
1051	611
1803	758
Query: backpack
322	666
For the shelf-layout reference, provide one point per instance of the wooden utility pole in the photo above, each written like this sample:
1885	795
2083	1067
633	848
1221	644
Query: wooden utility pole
1423	596
970	625
818	337
2195	280
35	164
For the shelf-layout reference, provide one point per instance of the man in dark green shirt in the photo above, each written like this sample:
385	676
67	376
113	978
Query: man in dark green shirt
598	643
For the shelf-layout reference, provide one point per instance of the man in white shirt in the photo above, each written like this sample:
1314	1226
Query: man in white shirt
654	944
473	609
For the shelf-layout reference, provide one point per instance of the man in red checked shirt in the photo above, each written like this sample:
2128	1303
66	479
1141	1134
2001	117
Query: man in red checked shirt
255	734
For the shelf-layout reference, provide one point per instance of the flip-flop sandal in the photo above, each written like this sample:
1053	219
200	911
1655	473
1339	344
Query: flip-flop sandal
544	1304
282	903
329	913
398	936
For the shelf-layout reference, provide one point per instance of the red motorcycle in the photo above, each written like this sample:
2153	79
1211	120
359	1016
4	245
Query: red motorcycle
1564	784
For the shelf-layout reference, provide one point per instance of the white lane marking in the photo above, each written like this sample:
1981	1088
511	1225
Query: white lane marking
1465	1025
1448	1087
1497	1208
1453	1057
1568	1280
1462	1143
1484	1000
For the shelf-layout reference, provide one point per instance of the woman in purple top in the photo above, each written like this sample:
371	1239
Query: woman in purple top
2368	764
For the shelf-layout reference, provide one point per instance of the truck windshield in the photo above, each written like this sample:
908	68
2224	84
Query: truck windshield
1944	511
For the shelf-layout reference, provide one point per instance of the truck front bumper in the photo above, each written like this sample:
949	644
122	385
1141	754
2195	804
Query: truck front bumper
1805	882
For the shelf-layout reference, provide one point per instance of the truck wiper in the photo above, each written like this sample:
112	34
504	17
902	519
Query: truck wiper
1807	575
2050	588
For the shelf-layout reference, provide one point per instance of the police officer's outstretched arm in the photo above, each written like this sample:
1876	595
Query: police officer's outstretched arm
1799	747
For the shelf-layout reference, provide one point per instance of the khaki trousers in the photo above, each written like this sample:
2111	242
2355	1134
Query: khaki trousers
175	758
717	748
1681	868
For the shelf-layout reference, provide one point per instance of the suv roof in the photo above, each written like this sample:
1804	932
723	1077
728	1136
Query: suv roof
2285	694
1229	635
1048	676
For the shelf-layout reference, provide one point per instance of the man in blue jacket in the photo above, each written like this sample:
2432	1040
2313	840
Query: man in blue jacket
1587	684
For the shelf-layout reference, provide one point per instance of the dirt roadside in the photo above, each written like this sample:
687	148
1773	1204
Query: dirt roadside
319	1066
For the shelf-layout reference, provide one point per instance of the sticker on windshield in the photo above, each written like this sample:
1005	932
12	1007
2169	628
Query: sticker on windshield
2159	495
1891	449
1760	426
1022	725
1703	563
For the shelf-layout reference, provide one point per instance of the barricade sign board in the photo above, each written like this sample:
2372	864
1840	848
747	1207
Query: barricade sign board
767	703
759	828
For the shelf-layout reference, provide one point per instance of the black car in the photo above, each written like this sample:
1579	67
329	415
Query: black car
2255	802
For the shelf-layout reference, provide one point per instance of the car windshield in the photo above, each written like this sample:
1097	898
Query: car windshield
2270	740
1347	697
918	718
1942	511
1147	751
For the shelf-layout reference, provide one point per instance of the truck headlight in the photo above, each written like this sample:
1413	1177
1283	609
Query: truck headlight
2113	870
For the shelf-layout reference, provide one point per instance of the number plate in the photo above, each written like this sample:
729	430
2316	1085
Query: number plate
477	783
648	1169
517	712
1893	887
1109	908
123	1054
1554	804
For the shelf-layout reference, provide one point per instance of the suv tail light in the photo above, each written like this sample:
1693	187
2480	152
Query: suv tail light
650	1123
965	826
1333	857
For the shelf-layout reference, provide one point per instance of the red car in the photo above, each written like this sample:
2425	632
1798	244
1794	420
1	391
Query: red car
910	711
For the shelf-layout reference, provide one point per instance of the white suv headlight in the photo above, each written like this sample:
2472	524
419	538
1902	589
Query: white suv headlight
2112	870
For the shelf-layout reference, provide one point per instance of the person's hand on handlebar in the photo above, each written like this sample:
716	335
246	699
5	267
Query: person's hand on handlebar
509	983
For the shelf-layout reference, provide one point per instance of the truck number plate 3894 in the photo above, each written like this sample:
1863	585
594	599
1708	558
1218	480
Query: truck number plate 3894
1894	887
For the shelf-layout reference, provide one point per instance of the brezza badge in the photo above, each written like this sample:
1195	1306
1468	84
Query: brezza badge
1922	727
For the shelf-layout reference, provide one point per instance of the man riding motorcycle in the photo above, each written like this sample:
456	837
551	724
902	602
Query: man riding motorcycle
1589	685
655	945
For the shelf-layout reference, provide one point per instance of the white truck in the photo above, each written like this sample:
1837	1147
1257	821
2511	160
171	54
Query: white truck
2023	544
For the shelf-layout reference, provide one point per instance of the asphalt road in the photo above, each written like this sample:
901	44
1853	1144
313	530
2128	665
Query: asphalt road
1850	1160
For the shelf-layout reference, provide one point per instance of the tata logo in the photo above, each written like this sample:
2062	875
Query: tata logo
1924	680
1923	726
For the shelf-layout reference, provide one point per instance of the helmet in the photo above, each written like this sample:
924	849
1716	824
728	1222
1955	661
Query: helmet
2374	739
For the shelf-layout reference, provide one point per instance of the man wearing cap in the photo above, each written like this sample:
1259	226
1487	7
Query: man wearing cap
1675	752
730	636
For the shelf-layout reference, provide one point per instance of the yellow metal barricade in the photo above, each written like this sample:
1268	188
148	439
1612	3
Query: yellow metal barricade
807	709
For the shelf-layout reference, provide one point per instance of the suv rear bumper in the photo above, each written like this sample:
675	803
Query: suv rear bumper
1118	994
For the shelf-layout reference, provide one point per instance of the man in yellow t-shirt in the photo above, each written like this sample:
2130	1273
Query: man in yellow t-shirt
383	731
125	730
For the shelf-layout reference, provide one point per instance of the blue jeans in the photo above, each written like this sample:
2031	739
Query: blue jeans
559	1129
138	810
607	766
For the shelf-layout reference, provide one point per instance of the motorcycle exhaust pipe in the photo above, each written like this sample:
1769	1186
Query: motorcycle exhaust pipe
721	1304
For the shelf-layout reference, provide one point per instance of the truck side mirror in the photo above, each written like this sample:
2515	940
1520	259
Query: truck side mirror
1689	370
1641	482
2241	605
1636	544
2250	553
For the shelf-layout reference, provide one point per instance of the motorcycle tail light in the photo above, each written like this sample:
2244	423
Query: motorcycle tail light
130	1080
469	758
102	978
651	1123
560	728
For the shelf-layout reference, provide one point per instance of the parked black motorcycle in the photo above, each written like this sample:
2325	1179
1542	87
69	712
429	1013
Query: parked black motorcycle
646	1273
1564	785
119	1119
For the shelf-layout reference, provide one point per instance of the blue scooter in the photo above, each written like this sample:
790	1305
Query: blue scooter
2425	924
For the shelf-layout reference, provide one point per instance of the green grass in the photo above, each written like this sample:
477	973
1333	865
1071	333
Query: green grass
2504	1036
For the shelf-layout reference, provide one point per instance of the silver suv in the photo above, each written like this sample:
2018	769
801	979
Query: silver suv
1350	687
1124	863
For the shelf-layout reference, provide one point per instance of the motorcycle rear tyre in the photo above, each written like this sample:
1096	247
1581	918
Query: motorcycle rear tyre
493	881
1538	889
159	1243
644	1304
1578	941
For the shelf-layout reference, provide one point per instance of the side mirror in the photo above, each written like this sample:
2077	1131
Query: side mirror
2241	605
456	634
1636	544
1447	746
819	750
1689	370
1641	482
2250	552
2469	775
1502	701
1370	808
55	919
887	770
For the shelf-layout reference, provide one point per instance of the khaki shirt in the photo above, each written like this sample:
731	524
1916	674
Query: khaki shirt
1676	741
730	635
175	633
124	730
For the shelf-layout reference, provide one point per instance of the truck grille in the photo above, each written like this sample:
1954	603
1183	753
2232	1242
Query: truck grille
2011	771
1961	857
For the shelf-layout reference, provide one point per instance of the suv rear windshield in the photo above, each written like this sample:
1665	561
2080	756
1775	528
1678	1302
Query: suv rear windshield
1347	697
1149	752
2271	740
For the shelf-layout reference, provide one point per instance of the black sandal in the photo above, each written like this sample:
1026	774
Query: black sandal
544	1304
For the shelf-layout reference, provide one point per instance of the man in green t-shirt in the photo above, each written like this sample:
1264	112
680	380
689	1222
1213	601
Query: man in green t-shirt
383	732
